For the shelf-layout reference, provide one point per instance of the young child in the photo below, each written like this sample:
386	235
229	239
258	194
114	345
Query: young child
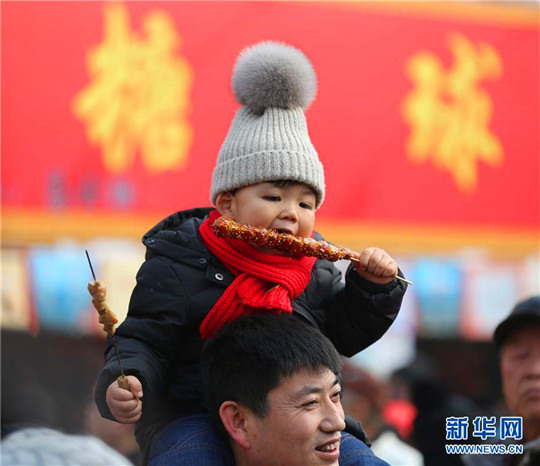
268	174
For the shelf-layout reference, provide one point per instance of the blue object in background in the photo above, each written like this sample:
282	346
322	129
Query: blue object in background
59	277
438	286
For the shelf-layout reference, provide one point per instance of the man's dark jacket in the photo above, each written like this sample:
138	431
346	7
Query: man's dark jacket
180	282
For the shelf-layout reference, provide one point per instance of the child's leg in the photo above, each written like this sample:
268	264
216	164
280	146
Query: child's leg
189	441
355	452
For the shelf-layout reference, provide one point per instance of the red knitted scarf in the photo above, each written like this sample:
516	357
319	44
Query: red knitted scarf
263	281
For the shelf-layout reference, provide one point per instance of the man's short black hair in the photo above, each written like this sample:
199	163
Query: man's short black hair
250	357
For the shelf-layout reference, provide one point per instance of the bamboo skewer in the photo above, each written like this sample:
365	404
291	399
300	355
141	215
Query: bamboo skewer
122	380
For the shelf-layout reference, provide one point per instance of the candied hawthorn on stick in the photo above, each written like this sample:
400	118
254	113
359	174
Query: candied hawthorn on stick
106	317
294	245
98	291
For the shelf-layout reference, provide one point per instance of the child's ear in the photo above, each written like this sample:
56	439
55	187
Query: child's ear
224	204
233	417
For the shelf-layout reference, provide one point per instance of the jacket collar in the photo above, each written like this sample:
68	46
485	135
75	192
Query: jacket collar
173	221
177	237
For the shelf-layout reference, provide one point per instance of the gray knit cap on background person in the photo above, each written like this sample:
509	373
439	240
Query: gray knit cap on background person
268	139
40	446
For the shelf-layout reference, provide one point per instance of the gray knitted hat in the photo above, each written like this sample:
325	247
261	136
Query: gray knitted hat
268	139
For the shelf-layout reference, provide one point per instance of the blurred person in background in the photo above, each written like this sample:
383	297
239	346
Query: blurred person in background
517	338
399	411
25	401
365	398
434	403
31	431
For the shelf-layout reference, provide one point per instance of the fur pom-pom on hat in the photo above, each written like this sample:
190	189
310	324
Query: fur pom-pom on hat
273	74
268	138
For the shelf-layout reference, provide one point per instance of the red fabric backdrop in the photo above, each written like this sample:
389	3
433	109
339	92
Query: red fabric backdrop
356	122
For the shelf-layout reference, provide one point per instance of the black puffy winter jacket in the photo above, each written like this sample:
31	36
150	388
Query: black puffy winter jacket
178	284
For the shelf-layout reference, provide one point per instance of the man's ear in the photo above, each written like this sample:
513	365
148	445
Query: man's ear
225	203
233	418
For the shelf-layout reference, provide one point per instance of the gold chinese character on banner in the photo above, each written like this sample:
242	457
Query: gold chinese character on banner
138	97
449	112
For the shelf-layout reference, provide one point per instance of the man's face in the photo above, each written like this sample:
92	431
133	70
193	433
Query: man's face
303	425
289	209
520	368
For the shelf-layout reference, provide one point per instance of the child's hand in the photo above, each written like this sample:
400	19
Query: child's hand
376	266
125	406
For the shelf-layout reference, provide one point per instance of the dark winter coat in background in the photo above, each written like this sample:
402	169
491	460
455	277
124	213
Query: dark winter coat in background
180	282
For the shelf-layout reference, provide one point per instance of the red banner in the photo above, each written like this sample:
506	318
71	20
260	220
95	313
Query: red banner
122	108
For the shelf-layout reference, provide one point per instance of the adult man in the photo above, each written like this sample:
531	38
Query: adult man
272	387
518	340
